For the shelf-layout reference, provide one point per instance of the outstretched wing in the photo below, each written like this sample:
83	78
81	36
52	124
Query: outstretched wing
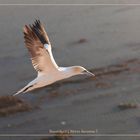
39	47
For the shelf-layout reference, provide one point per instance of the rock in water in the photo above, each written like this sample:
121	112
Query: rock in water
12	104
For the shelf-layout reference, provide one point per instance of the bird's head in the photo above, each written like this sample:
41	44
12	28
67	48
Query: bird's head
81	70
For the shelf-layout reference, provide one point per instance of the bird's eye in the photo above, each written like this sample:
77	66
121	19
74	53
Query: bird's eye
84	71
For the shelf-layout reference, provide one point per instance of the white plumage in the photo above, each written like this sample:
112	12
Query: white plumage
39	47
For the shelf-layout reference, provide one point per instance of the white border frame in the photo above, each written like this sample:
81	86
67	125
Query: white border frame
73	135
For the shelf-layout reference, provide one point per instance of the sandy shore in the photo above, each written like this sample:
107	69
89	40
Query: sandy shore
111	50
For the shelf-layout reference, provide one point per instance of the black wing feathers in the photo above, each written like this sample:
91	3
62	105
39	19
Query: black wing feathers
39	30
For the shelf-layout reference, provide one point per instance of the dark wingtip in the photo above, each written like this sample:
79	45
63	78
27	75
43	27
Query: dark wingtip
37	29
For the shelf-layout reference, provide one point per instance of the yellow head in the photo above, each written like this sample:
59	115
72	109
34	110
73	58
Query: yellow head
81	70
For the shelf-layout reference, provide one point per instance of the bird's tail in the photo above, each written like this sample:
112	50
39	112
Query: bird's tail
24	90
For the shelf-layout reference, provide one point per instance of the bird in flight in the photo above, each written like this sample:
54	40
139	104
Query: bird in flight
48	72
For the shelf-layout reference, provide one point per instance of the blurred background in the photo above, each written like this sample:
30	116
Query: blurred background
103	38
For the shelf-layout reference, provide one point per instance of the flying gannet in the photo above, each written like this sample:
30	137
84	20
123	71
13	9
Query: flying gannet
39	47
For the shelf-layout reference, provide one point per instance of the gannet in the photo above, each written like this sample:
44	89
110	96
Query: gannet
48	72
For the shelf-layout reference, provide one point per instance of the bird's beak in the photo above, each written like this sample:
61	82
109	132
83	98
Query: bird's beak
88	73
